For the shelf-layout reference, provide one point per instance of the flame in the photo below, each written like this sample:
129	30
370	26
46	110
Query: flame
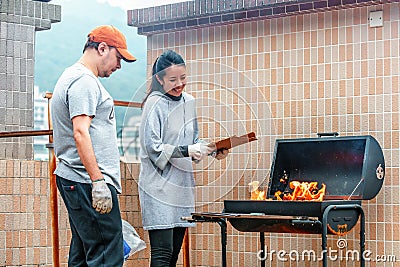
256	193
307	191
277	195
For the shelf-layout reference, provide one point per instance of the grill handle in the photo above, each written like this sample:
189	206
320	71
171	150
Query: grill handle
332	134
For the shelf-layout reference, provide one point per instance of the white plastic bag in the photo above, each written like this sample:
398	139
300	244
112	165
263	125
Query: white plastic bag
132	241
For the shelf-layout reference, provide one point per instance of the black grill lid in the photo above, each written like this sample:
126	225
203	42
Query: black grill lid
351	167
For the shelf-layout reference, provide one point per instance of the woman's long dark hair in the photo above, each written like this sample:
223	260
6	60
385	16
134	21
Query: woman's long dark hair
164	61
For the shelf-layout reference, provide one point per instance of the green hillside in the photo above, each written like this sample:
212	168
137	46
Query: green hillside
62	45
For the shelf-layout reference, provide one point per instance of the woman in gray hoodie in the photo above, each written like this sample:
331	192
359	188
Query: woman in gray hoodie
169	143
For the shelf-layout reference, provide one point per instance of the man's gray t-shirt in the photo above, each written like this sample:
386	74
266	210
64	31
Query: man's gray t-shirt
79	92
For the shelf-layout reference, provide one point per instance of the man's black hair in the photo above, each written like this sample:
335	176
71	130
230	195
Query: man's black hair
90	44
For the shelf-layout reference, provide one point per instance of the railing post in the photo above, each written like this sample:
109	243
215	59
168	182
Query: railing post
53	192
186	249
54	206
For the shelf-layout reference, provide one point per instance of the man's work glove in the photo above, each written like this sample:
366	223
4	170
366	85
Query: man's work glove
101	196
199	151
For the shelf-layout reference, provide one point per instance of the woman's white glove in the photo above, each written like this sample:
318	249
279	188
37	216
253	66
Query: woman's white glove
101	197
200	150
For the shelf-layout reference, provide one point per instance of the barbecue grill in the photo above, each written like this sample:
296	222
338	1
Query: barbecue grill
352	169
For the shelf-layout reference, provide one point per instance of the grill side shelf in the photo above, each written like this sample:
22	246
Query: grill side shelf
261	216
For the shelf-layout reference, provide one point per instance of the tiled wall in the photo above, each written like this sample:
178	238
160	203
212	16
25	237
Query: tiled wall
292	77
19	20
24	220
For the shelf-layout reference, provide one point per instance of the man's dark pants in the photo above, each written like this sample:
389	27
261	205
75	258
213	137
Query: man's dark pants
96	238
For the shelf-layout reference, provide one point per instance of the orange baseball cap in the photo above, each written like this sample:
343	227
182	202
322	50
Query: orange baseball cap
112	37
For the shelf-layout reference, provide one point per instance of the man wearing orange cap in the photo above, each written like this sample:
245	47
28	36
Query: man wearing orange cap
85	143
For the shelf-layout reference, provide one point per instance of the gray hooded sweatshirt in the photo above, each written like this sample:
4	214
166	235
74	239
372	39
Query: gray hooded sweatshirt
166	180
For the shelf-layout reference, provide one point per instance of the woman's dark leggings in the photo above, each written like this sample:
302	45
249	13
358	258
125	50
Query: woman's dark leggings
165	246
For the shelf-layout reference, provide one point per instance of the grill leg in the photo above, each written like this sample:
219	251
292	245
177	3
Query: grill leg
362	236
222	224
262	243
324	244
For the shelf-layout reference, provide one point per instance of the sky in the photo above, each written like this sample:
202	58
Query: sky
130	4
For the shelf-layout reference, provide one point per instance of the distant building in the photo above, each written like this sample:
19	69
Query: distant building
40	115
128	140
